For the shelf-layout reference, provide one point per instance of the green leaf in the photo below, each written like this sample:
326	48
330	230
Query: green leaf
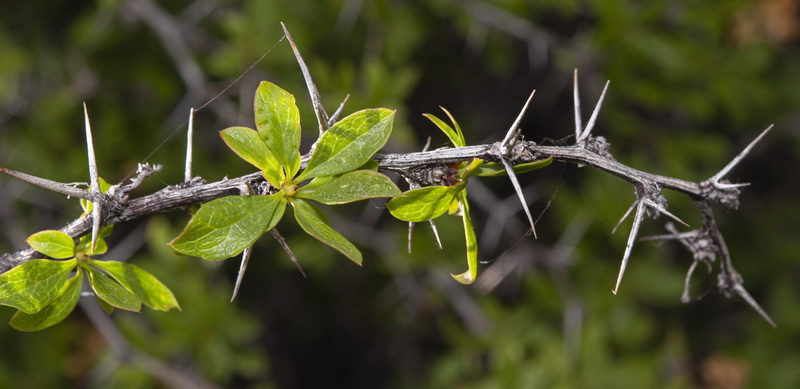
495	169
469	276
278	123
455	136
34	284
423	204
58	310
249	146
53	243
111	292
350	143
315	223
225	227
349	187
142	284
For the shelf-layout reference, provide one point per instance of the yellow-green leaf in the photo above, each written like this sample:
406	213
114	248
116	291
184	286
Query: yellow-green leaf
53	243
349	187
53	313
455	136
226	226
278	124
423	204
142	284
315	223
469	276
34	284
350	143
111	292
249	146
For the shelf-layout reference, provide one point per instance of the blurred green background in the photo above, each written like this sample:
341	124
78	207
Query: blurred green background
691	84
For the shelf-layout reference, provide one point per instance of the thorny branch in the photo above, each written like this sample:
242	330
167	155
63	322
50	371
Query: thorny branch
706	243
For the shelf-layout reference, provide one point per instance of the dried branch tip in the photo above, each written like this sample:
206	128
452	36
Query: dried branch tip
58	187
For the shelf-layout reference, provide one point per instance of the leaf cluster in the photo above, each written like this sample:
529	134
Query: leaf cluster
45	291
334	174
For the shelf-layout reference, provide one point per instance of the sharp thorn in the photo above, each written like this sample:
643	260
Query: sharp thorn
242	269
513	177
512	131
97	203
741	156
335	117
720	185
436	234
187	172
663	210
577	103
316	100
94	179
742	292
282	242
625	216
593	118
637	221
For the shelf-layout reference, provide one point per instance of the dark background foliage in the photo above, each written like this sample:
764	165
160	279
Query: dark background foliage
691	84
